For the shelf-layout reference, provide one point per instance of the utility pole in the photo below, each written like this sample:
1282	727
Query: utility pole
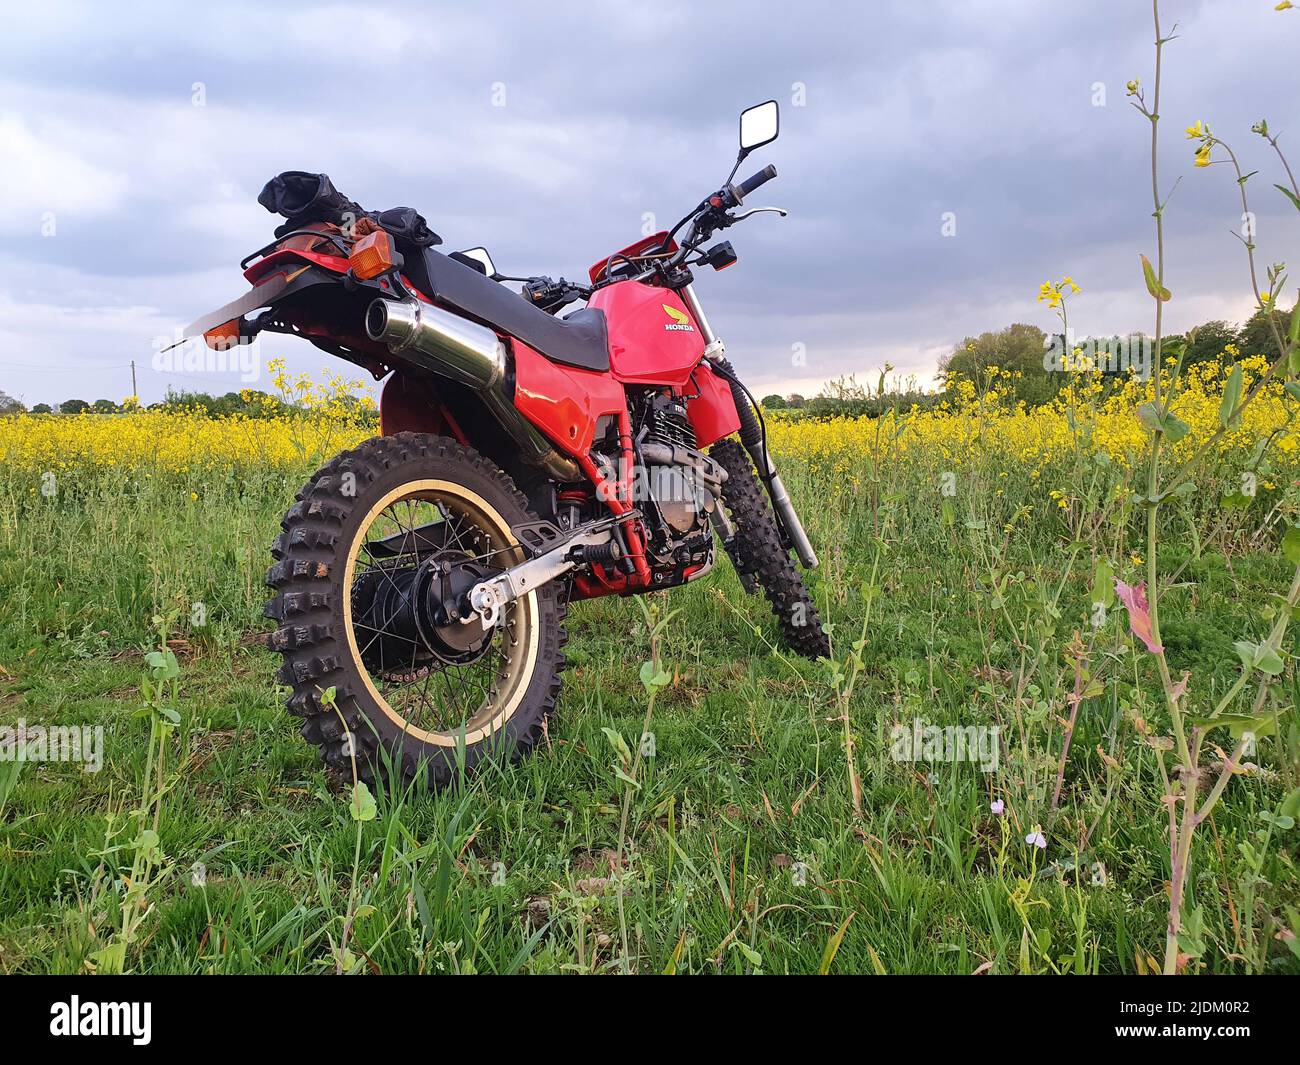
134	392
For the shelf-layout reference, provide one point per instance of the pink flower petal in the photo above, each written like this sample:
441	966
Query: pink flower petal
1139	614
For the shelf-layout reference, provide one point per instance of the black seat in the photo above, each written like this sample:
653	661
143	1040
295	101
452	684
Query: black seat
580	339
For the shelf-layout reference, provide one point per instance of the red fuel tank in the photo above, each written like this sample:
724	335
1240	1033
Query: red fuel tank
653	340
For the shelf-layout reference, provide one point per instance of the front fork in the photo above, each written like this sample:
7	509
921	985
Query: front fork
752	436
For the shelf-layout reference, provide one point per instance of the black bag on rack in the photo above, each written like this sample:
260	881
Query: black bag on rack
304	198
408	227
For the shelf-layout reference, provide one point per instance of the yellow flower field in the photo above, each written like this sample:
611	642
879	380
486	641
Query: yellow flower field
978	428
168	444
972	428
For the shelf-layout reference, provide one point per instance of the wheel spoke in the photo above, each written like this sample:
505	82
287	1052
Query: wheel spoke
428	692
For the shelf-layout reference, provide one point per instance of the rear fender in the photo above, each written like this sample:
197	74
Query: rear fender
272	288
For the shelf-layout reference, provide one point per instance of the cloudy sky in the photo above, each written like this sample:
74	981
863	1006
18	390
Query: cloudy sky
135	139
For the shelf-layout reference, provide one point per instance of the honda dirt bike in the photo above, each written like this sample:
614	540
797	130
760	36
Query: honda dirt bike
527	460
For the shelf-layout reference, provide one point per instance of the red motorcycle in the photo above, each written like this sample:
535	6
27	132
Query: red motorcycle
527	460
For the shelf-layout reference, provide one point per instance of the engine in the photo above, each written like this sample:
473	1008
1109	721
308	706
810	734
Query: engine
677	486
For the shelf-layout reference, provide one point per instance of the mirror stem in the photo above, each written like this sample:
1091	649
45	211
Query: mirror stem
744	152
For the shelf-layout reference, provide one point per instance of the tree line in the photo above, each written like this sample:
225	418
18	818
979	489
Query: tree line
1020	349
249	403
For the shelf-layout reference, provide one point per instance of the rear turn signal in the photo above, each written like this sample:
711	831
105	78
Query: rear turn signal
373	255
223	336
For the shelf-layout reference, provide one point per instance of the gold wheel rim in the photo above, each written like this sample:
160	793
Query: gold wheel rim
520	633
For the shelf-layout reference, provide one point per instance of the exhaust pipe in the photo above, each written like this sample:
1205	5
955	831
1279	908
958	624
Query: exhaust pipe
469	354
440	341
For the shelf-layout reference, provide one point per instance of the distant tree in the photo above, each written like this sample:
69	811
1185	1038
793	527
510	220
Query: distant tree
256	405
795	401
1207	341
1017	347
73	406
774	402
42	408
9	405
1257	335
104	406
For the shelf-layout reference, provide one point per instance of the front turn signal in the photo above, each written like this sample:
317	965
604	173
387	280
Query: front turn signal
374	254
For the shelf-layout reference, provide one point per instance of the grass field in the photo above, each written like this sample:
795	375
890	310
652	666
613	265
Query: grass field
963	554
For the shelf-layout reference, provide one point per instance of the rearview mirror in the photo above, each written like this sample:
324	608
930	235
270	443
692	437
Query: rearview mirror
759	125
479	259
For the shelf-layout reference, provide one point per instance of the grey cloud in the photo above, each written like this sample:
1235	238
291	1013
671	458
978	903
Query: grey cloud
913	110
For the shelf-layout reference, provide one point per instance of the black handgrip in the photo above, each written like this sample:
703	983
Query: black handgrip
751	183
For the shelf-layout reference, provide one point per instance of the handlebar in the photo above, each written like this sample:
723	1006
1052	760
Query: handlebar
739	192
710	216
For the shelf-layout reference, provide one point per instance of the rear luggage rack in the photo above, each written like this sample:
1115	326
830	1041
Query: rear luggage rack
335	238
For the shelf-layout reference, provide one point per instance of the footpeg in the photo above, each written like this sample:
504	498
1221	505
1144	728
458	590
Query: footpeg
601	554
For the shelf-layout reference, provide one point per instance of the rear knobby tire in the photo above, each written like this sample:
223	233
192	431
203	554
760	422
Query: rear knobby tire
760	558
313	577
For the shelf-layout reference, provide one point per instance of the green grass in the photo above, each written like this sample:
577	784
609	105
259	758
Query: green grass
745	853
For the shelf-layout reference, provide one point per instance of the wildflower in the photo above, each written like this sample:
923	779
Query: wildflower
1203	155
1196	132
1134	599
1285	5
1036	839
998	807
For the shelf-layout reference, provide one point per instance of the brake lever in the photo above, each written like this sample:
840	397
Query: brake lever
758	210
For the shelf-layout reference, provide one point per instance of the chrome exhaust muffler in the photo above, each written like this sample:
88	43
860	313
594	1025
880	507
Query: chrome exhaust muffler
470	354
440	341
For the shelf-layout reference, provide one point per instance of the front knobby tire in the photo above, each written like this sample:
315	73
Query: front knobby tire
760	558
423	718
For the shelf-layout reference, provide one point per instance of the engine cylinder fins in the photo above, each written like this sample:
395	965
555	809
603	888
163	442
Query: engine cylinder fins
667	422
